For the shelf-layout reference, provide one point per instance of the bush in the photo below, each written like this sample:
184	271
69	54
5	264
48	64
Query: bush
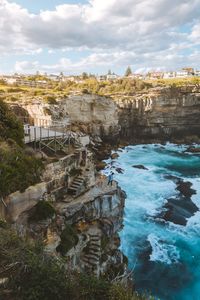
75	172
50	99
3	223
18	169
43	210
10	126
69	239
93	288
44	279
33	275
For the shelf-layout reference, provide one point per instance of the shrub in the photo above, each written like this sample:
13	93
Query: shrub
43	210
3	223
10	126
92	288
33	275
69	239
75	172
50	99
18	169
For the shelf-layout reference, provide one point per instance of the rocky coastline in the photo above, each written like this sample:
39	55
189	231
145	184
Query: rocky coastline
87	213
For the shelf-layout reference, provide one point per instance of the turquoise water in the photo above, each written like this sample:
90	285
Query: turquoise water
165	256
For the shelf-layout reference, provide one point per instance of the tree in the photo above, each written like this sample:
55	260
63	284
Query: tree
128	71
84	75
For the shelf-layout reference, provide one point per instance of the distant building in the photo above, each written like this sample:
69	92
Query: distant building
155	75
136	76
182	74
101	78
9	79
189	70
112	77
54	77
168	75
69	78
197	73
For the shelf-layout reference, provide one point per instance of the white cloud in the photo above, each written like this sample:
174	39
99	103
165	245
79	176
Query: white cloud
134	30
26	66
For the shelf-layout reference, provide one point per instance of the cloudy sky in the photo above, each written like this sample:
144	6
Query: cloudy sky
73	36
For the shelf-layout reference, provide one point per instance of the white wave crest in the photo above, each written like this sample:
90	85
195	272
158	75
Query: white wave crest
162	251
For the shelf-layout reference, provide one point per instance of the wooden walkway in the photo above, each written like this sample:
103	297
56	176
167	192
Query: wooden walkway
36	134
46	138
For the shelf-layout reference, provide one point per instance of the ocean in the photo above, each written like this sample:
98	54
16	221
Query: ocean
161	228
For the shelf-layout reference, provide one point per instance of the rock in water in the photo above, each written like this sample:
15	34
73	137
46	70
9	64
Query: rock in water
141	167
114	155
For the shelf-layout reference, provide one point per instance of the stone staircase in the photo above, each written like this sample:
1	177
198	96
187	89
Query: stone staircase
77	186
92	258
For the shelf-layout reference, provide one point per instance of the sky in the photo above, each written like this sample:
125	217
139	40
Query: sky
94	36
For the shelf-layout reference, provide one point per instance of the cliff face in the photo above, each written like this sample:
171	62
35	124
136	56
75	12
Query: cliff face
96	115
99	221
161	113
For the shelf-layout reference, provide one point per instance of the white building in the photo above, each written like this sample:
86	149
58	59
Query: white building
197	73
168	75
182	74
112	77
136	76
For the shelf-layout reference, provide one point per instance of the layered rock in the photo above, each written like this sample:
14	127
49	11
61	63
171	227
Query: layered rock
96	115
161	113
98	220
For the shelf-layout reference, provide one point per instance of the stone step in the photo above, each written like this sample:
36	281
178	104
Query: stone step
75	185
97	253
79	179
77	182
95	249
93	254
89	262
92	257
72	189
94	235
95	244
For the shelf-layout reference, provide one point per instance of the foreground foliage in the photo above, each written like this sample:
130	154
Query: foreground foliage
30	274
18	167
10	127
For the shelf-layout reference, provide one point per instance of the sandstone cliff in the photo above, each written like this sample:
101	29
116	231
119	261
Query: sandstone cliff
162	113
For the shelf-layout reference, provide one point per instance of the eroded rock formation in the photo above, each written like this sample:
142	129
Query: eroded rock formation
162	113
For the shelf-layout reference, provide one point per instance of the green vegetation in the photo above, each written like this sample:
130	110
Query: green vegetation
43	210
33	275
50	99
104	242
69	239
88	84
3	223
128	71
10	126
175	82
75	172
18	167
